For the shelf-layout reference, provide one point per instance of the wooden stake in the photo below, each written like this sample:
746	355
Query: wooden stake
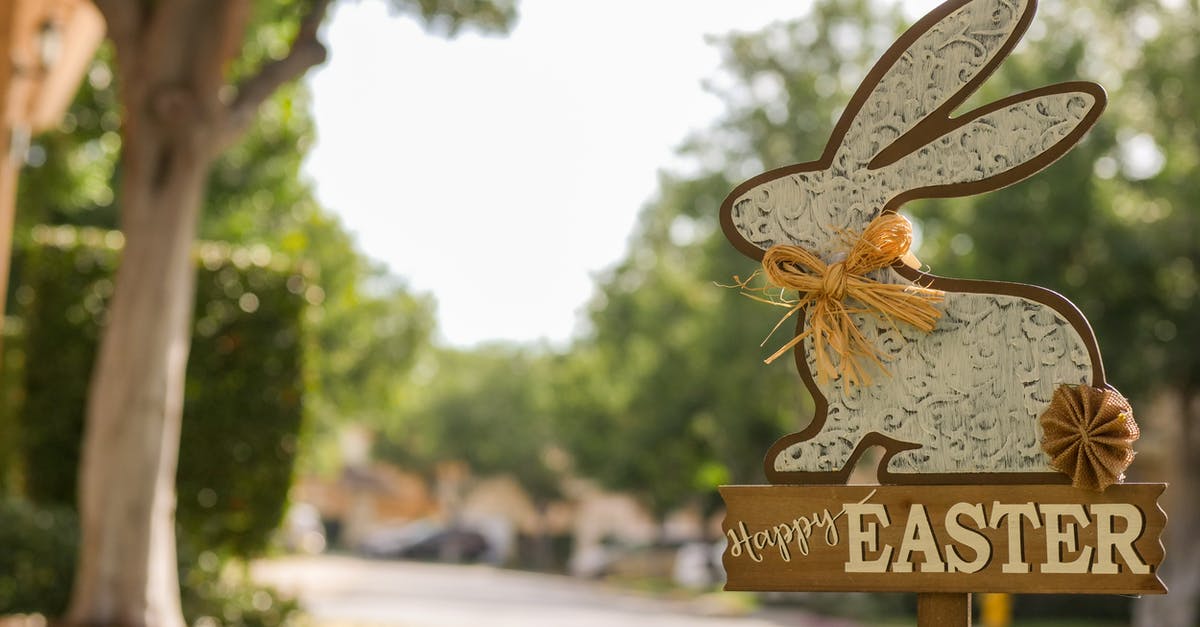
936	609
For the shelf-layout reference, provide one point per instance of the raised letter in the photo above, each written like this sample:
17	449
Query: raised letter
739	541
918	537
762	539
783	535
803	529
973	539
868	537
1108	543
1016	542
1060	534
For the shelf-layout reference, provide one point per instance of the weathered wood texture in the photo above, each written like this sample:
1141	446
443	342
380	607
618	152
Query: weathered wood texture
1000	538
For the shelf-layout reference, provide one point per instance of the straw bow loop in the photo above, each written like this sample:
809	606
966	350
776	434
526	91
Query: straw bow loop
826	288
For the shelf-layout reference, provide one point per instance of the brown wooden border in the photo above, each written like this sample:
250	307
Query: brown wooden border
936	124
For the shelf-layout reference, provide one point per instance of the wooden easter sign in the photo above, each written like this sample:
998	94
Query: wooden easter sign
1011	538
990	396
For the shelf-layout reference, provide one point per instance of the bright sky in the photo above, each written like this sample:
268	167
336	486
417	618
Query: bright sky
502	174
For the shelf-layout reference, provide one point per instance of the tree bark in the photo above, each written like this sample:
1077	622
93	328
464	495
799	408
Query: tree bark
1180	466
127	573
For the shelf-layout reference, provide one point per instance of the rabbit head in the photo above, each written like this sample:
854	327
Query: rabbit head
897	140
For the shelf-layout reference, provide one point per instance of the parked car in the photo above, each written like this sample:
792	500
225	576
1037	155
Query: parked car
449	545
428	541
392	541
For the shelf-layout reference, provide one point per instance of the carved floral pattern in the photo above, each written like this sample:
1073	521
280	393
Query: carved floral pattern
969	392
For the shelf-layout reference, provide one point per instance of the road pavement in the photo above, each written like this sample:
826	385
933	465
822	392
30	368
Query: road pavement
343	591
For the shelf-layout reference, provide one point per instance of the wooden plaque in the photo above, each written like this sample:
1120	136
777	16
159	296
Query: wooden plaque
999	538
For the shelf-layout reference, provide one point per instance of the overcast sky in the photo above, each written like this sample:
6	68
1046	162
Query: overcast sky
501	174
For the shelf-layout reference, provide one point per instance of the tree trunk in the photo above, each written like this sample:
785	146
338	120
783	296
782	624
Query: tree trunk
171	56
1181	467
127	573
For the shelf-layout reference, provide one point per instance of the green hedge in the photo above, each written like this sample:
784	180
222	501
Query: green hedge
243	402
37	566
38	557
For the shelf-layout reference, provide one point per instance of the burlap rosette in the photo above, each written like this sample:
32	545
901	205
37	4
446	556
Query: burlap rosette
1089	433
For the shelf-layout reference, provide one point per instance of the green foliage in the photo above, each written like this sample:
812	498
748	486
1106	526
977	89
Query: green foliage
448	17
486	407
38	562
671	412
247	408
12	390
38	559
786	84
221	597
64	290
243	408
367	328
69	173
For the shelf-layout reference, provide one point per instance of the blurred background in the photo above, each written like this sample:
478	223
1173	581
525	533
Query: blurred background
458	353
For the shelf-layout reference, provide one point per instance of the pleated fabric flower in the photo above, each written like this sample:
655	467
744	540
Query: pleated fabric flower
1089	433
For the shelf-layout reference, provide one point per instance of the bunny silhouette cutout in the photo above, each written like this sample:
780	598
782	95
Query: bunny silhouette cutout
961	403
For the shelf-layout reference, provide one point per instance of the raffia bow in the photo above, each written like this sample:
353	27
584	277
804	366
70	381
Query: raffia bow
825	289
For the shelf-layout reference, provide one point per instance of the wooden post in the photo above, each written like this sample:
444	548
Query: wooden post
936	609
9	166
12	100
45	49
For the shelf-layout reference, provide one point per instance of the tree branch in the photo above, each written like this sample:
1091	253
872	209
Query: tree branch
306	52
233	20
215	47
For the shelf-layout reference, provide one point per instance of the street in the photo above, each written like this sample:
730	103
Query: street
343	591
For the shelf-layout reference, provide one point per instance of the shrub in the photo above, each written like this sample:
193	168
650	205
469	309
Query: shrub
37	566
243	402
38	557
216	595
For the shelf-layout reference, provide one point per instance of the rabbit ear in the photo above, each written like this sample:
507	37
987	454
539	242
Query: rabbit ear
999	144
929	71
